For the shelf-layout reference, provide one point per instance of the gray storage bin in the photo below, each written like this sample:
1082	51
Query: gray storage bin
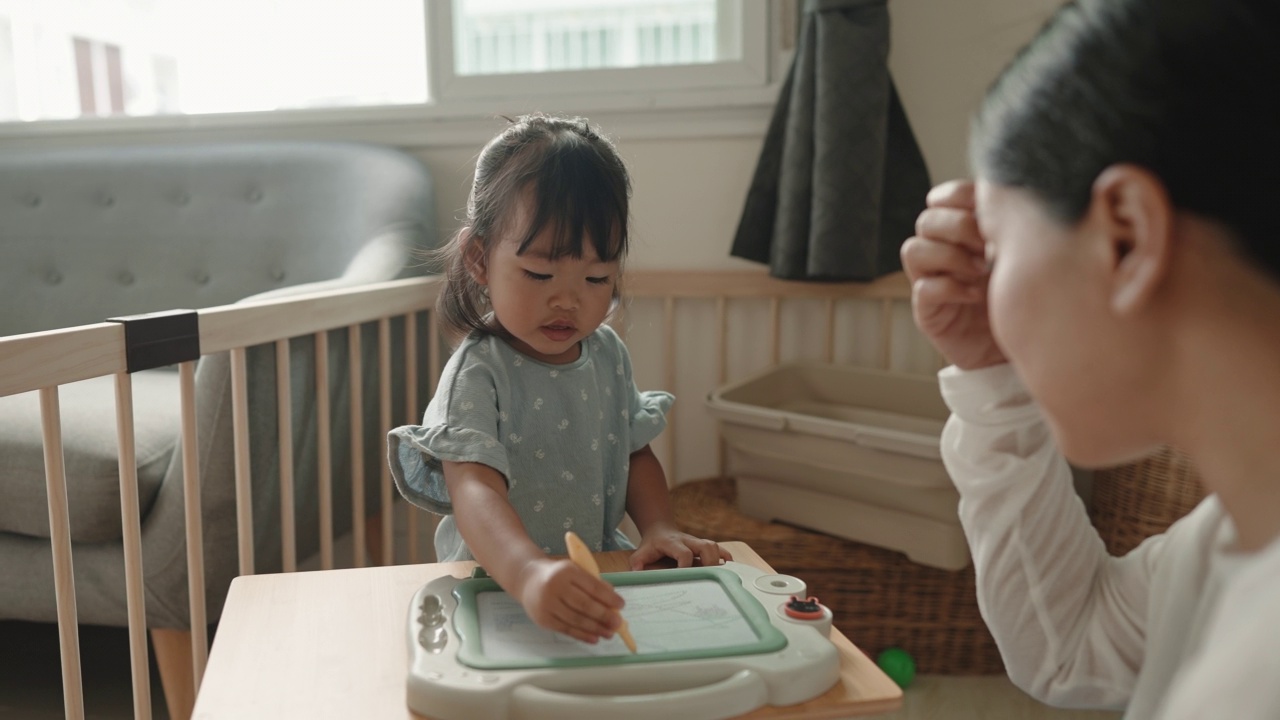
849	451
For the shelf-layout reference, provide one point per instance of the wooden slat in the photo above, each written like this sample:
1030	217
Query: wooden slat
722	339
131	533
195	527
284	442
751	283
255	323
829	352
670	375
433	351
356	379
244	486
775	330
411	417
722	372
886	333
384	405
57	357
60	538
411	368
324	461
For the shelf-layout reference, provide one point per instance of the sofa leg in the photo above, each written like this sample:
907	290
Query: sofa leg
173	656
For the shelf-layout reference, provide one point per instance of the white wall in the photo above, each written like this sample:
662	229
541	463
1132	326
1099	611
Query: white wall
944	55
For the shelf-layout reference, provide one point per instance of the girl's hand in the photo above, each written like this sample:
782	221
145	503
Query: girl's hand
665	540
560	596
946	263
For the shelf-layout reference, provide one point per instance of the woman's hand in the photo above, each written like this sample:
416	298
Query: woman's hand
665	540
560	596
947	264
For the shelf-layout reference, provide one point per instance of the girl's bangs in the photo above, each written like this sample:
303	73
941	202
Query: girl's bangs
576	196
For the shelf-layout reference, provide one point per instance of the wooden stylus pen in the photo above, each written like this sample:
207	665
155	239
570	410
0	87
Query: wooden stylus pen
581	556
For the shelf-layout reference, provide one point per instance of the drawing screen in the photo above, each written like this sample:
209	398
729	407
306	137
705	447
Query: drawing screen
696	615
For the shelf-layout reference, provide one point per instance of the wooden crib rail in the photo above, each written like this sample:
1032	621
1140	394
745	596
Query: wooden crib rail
43	361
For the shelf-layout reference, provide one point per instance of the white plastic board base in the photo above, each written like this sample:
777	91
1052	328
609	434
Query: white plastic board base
442	687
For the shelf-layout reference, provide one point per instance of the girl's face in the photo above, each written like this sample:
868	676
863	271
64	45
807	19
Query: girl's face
1087	367
548	306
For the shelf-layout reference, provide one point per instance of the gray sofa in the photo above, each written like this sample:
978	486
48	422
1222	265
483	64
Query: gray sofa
88	234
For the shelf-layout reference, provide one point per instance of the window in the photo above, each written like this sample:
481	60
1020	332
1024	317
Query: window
77	58
496	48
64	59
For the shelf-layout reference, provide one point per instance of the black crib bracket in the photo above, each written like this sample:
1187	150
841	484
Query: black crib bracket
158	339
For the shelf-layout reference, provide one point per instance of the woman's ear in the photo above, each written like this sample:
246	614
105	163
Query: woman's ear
474	257
1133	207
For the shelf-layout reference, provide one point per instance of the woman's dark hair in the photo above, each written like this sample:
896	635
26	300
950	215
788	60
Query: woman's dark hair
1188	89
577	185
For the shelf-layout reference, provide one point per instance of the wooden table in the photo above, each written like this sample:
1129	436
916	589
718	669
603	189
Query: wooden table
331	644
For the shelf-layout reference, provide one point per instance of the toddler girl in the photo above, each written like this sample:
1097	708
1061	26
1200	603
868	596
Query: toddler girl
537	427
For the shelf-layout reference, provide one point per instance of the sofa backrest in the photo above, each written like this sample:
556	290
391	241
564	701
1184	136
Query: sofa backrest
91	233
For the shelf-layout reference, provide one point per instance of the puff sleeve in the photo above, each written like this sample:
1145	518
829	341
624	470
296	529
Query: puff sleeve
460	425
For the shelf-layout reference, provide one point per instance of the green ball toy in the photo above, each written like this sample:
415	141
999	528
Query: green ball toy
898	665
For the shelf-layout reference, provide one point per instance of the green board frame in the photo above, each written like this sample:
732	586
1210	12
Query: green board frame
466	622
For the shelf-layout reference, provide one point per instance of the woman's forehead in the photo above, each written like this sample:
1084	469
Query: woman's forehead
995	203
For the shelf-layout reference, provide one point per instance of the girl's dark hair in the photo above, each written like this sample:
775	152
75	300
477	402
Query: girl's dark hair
577	185
1185	89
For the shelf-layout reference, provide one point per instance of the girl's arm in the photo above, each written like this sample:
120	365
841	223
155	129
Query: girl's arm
649	505
555	593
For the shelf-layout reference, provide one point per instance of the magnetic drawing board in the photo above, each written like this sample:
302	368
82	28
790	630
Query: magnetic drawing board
713	643
674	615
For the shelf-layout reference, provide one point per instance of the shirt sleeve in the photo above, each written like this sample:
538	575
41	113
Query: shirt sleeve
461	425
1068	618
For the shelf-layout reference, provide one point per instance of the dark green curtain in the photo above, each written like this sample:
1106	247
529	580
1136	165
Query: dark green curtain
840	180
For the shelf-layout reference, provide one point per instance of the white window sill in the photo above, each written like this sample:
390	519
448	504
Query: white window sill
729	112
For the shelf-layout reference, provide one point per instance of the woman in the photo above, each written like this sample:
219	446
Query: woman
1110	283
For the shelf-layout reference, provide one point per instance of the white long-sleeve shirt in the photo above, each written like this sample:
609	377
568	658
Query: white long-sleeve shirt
1181	627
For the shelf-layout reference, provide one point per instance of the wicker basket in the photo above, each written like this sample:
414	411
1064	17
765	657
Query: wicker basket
879	598
1133	502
